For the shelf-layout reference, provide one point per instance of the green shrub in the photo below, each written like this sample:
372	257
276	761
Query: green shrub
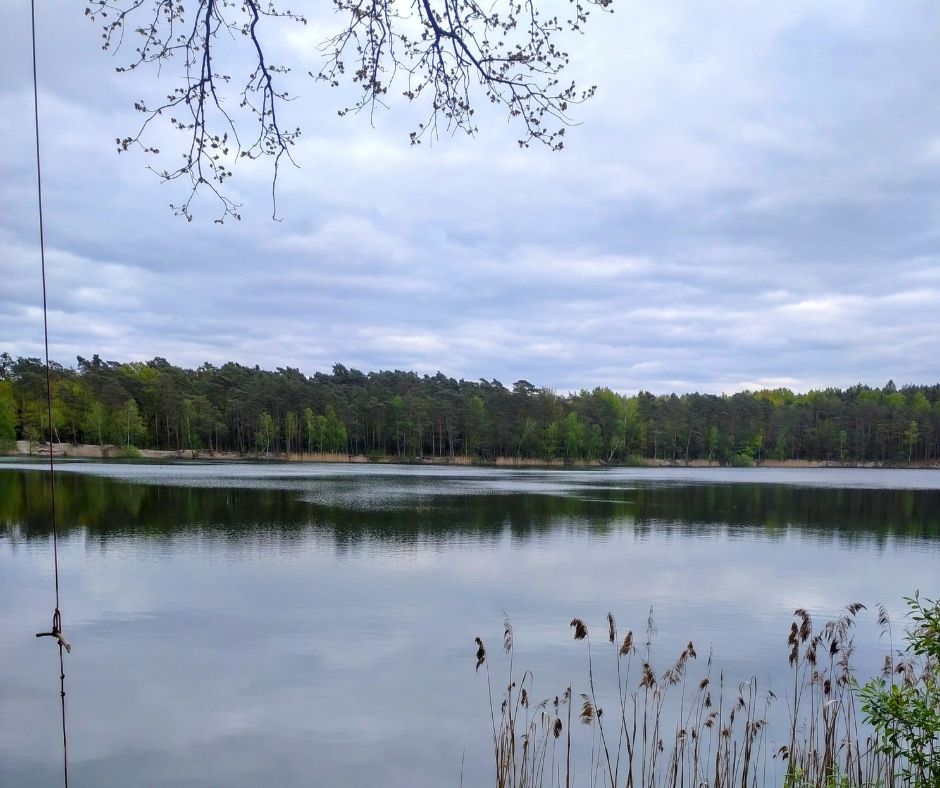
906	711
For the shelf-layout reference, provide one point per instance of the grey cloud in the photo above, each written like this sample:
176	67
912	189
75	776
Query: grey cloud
751	200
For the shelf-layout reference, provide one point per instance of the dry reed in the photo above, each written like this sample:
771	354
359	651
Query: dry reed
672	731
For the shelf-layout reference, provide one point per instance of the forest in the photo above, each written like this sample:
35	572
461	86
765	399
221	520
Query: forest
400	414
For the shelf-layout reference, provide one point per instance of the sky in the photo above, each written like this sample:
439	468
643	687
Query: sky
750	200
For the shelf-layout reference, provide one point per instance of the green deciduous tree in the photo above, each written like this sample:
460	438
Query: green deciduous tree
73	400
335	436
7	415
264	438
572	436
131	424
96	421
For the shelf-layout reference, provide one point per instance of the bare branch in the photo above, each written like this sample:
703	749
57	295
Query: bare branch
440	49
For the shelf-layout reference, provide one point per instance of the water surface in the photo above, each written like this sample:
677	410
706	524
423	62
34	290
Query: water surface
313	625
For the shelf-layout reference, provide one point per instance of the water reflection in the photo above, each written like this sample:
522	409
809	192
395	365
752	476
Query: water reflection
235	626
395	509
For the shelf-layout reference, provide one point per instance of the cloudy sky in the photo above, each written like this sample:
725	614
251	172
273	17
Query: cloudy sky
751	199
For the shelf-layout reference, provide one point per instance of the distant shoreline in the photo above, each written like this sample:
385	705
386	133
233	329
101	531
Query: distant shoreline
113	452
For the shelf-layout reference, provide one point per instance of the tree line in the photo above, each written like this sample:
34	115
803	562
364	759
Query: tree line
248	410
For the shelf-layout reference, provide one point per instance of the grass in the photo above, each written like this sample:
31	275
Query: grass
668	729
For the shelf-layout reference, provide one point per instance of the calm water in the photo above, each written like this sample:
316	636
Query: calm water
314	625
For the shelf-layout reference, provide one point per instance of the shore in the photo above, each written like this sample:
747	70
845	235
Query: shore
111	452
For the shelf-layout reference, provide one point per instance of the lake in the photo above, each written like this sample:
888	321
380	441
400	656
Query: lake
288	624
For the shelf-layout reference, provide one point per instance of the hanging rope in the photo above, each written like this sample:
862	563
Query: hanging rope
57	615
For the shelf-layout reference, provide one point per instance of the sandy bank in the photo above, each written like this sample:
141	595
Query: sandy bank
111	451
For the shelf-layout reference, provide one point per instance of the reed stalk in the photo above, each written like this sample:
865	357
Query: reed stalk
717	738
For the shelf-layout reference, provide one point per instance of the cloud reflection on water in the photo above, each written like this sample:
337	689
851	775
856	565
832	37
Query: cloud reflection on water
238	634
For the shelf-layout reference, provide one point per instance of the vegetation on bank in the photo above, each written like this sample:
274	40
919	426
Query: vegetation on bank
669	728
155	405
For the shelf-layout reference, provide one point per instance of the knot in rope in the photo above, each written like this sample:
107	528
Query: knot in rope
57	632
